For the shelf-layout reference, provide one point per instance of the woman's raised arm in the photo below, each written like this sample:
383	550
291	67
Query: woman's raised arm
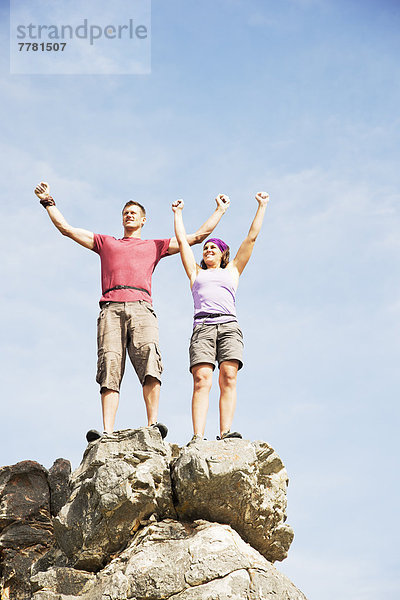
246	248
185	250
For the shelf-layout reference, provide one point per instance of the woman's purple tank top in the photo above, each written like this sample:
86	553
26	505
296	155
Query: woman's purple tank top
214	293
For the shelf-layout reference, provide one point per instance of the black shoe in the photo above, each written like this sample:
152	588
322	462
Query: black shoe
229	434
163	429
93	435
196	438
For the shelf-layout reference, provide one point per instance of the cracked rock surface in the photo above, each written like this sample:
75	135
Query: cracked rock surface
26	529
123	479
177	561
237	482
141	519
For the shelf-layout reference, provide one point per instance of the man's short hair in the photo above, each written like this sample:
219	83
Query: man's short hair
133	202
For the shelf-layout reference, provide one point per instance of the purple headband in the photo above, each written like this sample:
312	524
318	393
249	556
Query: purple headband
220	243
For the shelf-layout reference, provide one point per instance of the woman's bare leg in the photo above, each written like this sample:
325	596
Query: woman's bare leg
227	403
202	380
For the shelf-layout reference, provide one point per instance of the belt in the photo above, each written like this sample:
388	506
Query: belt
212	315
126	287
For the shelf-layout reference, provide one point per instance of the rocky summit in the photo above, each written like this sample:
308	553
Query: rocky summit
141	519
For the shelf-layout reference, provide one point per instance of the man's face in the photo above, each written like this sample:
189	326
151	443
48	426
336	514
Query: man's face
132	217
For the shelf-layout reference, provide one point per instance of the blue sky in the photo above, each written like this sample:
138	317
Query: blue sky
298	97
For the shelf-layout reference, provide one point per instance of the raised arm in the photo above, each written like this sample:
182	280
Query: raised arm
246	248
187	256
81	236
207	228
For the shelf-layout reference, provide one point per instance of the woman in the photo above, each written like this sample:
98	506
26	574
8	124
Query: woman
216	334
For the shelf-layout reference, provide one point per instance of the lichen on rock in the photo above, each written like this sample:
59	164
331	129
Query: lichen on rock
240	483
141	519
123	479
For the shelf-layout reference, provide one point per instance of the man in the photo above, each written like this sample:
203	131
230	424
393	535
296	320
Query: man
127	322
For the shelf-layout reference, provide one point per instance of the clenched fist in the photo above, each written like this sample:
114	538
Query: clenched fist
42	191
177	205
223	201
262	198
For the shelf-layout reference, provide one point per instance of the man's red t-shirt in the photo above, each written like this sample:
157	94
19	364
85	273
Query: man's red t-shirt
129	261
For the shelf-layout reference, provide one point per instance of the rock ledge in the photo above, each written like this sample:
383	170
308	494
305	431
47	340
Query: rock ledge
144	520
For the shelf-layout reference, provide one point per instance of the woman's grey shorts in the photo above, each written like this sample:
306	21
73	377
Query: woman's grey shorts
210	343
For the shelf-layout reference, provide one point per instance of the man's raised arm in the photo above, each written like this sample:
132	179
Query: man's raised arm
207	228
81	236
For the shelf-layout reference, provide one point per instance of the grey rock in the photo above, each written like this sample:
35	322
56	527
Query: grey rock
239	483
123	479
63	580
23	535
180	561
15	572
53	558
147	520
58	478
24	493
26	531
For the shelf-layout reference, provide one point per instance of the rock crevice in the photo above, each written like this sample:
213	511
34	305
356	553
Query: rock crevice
144	520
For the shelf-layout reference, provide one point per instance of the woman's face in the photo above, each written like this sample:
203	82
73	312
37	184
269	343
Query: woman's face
212	255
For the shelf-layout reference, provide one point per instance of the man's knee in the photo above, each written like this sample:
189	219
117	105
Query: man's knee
147	363
105	390
152	381
110	369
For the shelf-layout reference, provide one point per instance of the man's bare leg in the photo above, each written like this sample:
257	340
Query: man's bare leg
151	395
109	404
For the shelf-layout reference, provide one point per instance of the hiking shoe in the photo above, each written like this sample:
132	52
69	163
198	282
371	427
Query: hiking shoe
229	434
163	429
196	438
93	435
